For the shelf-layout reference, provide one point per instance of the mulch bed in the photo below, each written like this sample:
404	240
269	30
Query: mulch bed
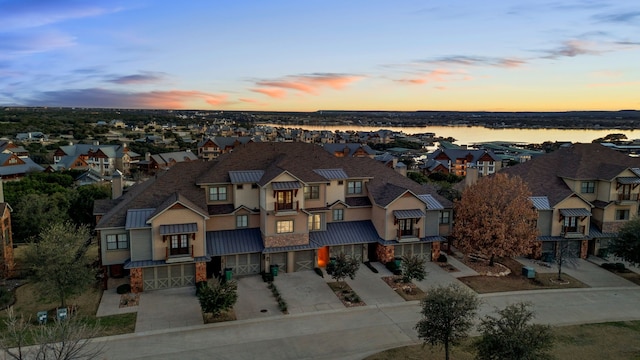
447	267
129	299
209	318
344	292
408	291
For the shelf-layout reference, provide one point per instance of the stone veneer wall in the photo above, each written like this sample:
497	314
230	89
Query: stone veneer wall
612	226
201	271
435	250
136	280
286	240
584	248
384	253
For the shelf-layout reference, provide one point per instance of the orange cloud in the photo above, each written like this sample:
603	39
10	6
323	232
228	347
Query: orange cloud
310	84
177	99
438	75
271	92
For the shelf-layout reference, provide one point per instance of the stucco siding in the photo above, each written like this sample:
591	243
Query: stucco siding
140	242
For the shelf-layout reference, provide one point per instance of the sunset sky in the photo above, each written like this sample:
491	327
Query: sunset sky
309	55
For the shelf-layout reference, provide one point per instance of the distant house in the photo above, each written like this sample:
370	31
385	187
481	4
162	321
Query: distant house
34	136
163	161
8	147
104	159
14	167
458	161
212	147
349	150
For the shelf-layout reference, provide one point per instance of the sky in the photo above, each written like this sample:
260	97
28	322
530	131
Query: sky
277	55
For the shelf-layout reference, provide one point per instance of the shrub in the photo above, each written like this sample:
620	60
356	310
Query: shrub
218	297
620	266
6	298
123	289
442	258
199	286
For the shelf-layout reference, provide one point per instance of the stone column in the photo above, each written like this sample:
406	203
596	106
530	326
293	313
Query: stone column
136	280
385	253
435	250
201	271
584	248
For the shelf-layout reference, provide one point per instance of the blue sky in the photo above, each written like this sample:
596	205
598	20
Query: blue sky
315	55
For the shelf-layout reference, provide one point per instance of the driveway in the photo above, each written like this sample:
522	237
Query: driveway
168	308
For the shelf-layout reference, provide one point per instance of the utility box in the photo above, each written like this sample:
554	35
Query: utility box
62	314
529	272
42	317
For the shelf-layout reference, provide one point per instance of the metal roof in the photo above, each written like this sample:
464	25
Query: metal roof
229	242
426	239
244	177
408	214
628	180
345	233
143	263
178	229
432	203
269	250
594	232
331	174
540	202
575	212
286	185
137	218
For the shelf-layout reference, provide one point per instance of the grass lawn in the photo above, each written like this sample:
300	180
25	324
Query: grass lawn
616	340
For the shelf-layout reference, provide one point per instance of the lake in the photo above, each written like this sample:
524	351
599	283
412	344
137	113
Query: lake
476	134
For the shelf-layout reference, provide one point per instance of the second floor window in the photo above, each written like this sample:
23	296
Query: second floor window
284	200
312	192
570	224
444	217
117	242
315	222
284	226
622	214
218	193
338	214
242	221
588	187
354	187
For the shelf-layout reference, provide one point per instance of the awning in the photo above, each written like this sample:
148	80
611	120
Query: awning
575	212
178	229
408	214
286	185
628	180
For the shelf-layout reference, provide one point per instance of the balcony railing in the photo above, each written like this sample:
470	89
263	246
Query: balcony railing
628	197
408	235
286	207
573	231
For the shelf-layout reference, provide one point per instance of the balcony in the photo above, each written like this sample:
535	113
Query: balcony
178	255
573	232
624	197
408	235
286	208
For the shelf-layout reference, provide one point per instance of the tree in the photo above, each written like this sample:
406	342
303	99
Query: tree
68	339
57	261
413	268
343	267
218	297
495	217
511	336
565	255
626	245
447	315
81	203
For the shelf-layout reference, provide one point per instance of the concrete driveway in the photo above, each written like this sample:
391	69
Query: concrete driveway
168	308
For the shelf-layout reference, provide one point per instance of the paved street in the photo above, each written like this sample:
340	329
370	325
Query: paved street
319	328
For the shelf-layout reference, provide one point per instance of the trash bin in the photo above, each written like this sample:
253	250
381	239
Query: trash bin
274	270
228	274
398	261
529	272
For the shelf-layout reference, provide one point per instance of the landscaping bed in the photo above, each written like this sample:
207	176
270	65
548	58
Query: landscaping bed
344	292
209	318
408	291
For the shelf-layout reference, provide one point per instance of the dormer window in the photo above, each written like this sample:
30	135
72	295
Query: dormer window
588	187
354	187
218	193
312	192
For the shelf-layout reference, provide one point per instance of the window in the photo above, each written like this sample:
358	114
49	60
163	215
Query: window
622	214
117	242
179	244
284	226
254	186
284	200
405	226
239	186
444	217
315	222
312	192
218	193
570	224
242	221
338	214
354	187
340	182
588	187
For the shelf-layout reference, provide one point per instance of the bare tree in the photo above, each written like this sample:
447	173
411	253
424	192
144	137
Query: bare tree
565	255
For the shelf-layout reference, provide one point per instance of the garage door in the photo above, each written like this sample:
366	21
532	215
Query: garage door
305	260
351	251
243	264
421	249
163	277
279	259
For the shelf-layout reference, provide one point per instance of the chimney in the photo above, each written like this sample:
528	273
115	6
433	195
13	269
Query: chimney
116	184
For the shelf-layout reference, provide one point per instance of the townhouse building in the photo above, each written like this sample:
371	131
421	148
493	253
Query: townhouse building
583	193
104	159
458	161
294	205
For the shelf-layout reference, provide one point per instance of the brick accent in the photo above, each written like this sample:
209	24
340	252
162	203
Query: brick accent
201	271
384	253
612	226
584	247
435	250
286	240
136	280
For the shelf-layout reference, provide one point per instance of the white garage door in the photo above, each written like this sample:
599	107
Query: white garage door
170	276
243	264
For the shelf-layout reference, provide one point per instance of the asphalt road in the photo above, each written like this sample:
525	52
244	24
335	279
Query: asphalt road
357	332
